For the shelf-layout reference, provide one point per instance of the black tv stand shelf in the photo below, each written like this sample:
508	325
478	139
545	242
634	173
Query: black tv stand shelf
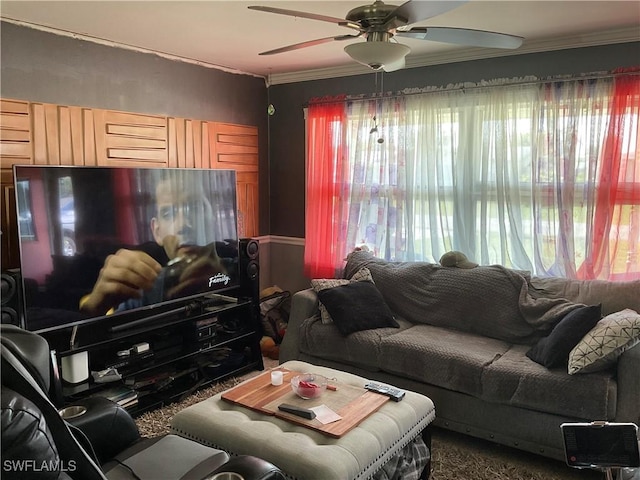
188	349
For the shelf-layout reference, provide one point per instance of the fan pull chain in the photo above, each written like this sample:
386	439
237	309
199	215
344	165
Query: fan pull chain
379	104
374	129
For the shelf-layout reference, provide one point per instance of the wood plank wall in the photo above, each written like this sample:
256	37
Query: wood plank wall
33	133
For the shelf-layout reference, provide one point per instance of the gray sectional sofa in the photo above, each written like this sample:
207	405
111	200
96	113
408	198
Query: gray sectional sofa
462	339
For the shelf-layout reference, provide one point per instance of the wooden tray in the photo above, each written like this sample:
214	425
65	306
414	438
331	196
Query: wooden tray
353	404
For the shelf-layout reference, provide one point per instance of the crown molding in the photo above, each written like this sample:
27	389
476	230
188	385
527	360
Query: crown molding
623	35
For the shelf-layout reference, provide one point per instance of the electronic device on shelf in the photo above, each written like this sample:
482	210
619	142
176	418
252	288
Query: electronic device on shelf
70	219
192	327
206	328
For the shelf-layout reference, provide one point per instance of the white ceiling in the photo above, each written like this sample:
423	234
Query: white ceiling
228	35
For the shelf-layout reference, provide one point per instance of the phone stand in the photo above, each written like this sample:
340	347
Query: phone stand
616	473
613	448
621	473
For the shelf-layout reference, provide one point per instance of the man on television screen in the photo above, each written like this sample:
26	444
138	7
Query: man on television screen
181	226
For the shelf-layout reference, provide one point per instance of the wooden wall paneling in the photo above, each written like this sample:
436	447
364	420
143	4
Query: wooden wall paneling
15	134
76	136
59	135
52	134
100	136
180	142
236	147
90	152
247	193
39	134
195	128
66	150
15	149
132	139
186	143
204	142
63	135
172	143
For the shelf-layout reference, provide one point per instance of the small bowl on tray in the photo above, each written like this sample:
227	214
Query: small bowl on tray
309	385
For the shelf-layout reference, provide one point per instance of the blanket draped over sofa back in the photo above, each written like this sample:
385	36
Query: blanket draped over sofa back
488	300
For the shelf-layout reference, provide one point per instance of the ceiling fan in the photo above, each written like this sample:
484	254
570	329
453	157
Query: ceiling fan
379	23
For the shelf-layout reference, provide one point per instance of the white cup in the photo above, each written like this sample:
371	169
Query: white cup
276	377
75	368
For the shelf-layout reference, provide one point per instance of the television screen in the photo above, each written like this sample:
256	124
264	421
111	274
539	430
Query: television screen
112	241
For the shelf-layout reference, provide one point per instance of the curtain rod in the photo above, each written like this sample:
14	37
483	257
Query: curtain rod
530	80
524	81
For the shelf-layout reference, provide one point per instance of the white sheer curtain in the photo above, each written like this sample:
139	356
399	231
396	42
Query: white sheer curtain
507	174
472	180
376	172
573	122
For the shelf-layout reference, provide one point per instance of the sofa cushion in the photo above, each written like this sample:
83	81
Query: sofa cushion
440	356
601	347
319	284
553	350
515	380
360	348
614	296
357	306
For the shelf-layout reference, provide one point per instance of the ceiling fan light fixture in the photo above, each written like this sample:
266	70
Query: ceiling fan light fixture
377	54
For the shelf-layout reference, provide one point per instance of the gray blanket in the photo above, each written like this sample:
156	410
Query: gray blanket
492	301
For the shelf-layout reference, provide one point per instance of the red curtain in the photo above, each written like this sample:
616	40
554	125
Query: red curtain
618	186
325	185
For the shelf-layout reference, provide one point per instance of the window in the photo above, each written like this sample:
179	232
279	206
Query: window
543	177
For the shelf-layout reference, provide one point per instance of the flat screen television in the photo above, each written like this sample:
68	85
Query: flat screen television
122	243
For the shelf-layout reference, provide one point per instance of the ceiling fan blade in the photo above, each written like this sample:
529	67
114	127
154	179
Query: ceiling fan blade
309	43
417	11
312	16
463	36
392	67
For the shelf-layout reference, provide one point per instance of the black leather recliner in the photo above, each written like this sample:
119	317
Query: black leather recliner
38	443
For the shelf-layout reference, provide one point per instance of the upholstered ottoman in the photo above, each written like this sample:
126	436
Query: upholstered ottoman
391	439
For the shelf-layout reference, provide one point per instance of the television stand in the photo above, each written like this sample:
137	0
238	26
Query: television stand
150	319
202	342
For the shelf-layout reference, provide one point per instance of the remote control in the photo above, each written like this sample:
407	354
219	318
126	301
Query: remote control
394	393
299	411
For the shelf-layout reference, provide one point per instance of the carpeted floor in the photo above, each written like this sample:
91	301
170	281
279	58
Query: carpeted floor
460	457
455	456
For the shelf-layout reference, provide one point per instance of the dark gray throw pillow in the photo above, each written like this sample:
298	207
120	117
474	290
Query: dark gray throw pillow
553	350
357	306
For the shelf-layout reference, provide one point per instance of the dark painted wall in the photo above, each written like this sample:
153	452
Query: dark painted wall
287	130
43	67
